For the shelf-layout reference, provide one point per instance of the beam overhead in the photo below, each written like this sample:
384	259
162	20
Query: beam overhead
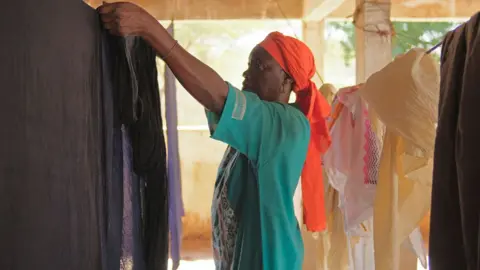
317	10
218	9
310	10
419	9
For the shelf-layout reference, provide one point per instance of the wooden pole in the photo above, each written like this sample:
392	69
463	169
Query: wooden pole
373	52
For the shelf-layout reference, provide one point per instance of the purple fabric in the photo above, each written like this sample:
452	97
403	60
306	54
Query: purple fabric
175	202
127	236
132	253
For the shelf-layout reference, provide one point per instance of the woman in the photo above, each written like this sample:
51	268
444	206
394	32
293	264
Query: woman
254	225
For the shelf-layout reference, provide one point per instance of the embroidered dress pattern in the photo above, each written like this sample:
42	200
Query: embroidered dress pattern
224	221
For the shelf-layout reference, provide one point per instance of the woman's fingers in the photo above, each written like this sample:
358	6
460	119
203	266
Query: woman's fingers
110	25
121	18
108	18
114	28
107	8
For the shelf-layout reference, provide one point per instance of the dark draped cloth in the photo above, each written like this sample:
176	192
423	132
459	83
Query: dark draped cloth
82	171
136	80
455	215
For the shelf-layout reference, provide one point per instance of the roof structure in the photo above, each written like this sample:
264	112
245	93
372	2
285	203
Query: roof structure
298	9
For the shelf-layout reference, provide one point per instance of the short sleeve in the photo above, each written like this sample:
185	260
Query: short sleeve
256	128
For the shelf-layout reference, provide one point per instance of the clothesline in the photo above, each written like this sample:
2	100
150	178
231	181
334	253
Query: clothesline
435	47
441	42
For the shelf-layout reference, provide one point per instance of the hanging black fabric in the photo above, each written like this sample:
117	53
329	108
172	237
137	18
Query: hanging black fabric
51	140
137	82
61	145
455	215
113	184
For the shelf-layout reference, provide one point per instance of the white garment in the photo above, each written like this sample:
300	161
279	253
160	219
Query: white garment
352	160
298	204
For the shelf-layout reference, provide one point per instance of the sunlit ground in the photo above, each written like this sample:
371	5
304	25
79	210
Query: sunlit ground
208	265
194	265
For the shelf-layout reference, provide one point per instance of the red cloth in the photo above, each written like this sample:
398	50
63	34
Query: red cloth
297	60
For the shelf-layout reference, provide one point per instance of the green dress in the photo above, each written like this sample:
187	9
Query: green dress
253	219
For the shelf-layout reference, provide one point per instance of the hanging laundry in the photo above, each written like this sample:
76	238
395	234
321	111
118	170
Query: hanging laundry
118	237
175	202
455	222
404	95
328	91
351	162
403	197
412	78
417	246
52	171
132	250
130	68
424	227
61	158
135	78
335	255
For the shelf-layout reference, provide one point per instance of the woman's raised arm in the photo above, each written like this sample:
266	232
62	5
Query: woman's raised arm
201	81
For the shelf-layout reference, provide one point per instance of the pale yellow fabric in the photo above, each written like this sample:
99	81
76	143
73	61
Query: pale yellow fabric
332	249
337	253
334	253
402	200
404	96
425	230
311	247
415	244
328	91
408	260
309	243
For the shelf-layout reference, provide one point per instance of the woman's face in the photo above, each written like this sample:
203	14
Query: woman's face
264	75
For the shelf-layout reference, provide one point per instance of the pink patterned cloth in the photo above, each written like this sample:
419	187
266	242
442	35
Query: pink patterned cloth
352	162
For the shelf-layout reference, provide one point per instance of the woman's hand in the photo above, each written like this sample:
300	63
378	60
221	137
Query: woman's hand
126	19
202	82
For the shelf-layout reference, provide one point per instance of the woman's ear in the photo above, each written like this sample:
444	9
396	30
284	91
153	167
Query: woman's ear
288	83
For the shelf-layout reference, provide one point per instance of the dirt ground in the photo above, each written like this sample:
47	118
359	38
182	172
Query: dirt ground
196	254
195	265
196	250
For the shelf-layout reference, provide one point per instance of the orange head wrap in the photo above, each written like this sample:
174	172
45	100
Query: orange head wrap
297	61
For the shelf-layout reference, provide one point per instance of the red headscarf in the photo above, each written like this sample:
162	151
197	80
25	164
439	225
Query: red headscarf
297	60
